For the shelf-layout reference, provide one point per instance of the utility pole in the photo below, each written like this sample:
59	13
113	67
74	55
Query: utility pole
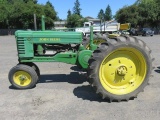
35	23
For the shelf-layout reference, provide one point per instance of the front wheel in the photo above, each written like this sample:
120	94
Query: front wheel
120	68
23	77
35	67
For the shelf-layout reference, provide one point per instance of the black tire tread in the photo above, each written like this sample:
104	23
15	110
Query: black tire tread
28	69
86	40
35	67
99	53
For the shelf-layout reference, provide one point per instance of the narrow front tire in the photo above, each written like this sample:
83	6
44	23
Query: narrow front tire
23	77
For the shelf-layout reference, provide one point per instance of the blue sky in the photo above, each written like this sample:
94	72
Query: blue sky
89	7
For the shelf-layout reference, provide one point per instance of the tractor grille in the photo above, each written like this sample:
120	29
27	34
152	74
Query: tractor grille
20	46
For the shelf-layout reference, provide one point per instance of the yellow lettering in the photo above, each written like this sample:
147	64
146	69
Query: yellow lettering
49	39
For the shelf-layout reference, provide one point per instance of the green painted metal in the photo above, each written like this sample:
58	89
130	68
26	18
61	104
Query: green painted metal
91	45
91	35
43	23
53	46
83	57
81	47
66	57
50	37
40	49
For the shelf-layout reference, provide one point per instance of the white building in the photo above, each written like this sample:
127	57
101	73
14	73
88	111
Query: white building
60	24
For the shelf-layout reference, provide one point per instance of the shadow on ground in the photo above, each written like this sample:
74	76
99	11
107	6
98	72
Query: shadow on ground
78	69
87	93
73	78
84	92
157	70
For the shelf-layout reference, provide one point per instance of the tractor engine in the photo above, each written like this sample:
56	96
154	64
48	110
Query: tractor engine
52	49
32	44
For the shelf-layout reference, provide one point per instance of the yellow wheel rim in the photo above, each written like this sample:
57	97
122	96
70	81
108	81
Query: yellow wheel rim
113	35
96	42
123	71
22	78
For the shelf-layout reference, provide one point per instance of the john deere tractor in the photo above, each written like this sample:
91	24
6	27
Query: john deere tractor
118	69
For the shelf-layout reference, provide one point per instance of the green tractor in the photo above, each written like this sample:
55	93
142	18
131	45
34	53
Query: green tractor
118	69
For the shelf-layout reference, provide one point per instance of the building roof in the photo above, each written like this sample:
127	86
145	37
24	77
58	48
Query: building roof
60	22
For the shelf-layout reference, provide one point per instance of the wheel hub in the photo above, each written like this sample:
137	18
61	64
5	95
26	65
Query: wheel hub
121	70
22	78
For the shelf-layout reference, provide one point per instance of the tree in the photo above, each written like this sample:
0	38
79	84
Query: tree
22	17
76	8
25	1
108	13
101	14
69	13
6	11
50	14
19	14
143	13
50	4
128	14
151	11
34	1
73	21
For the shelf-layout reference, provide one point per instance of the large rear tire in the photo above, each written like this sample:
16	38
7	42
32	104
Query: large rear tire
97	39
120	68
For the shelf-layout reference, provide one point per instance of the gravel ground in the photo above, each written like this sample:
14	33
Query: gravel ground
63	93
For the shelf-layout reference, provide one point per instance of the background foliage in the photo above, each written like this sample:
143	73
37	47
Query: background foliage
105	16
75	19
143	13
19	14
